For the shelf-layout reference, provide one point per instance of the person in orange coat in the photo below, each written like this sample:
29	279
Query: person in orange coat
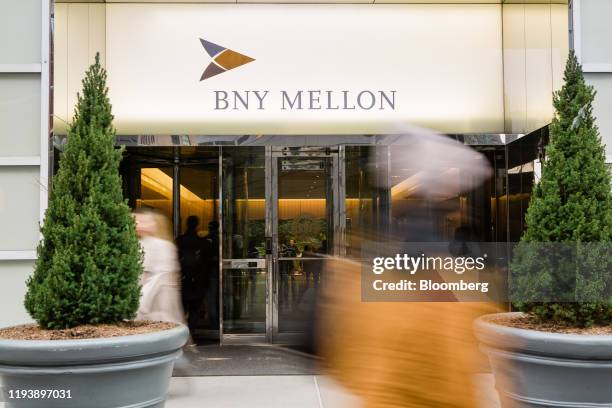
397	354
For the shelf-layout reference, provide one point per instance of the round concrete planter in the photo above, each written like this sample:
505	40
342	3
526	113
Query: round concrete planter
541	369
128	371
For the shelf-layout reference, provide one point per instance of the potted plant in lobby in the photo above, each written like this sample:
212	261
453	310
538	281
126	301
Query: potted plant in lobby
85	350
557	350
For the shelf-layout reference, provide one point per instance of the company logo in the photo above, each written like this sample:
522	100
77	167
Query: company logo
223	59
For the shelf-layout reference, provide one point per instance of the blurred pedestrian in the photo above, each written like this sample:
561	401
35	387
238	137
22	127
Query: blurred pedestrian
409	354
397	354
160	299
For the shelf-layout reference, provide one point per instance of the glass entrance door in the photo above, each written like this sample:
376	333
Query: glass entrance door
281	214
244	275
306	226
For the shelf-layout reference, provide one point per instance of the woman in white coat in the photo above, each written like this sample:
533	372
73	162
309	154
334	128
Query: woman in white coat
161	296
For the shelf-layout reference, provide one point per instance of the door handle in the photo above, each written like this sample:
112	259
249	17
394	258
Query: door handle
268	245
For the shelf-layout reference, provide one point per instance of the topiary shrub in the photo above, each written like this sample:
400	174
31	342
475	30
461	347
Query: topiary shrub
89	260
561	269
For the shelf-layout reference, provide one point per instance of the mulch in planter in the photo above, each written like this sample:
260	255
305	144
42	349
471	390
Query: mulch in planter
34	332
532	323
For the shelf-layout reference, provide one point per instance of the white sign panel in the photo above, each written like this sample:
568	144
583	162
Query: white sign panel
304	69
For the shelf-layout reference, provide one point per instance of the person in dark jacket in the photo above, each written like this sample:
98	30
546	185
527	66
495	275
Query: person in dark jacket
191	250
211	272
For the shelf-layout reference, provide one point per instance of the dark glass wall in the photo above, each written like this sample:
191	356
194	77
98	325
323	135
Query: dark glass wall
383	202
379	187
523	156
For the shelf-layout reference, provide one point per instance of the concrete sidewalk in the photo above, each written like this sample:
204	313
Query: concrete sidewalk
295	391
281	391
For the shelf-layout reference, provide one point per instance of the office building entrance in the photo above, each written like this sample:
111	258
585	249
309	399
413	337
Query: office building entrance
272	211
273	215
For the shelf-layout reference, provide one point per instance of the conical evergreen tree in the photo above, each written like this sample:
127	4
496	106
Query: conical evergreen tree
89	259
572	204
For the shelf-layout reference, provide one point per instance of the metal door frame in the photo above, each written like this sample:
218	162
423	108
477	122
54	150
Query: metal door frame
273	155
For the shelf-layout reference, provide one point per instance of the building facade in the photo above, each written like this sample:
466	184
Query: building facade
288	126
590	37
25	130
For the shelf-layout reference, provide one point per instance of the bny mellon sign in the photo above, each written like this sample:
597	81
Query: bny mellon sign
304	100
224	59
303	69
